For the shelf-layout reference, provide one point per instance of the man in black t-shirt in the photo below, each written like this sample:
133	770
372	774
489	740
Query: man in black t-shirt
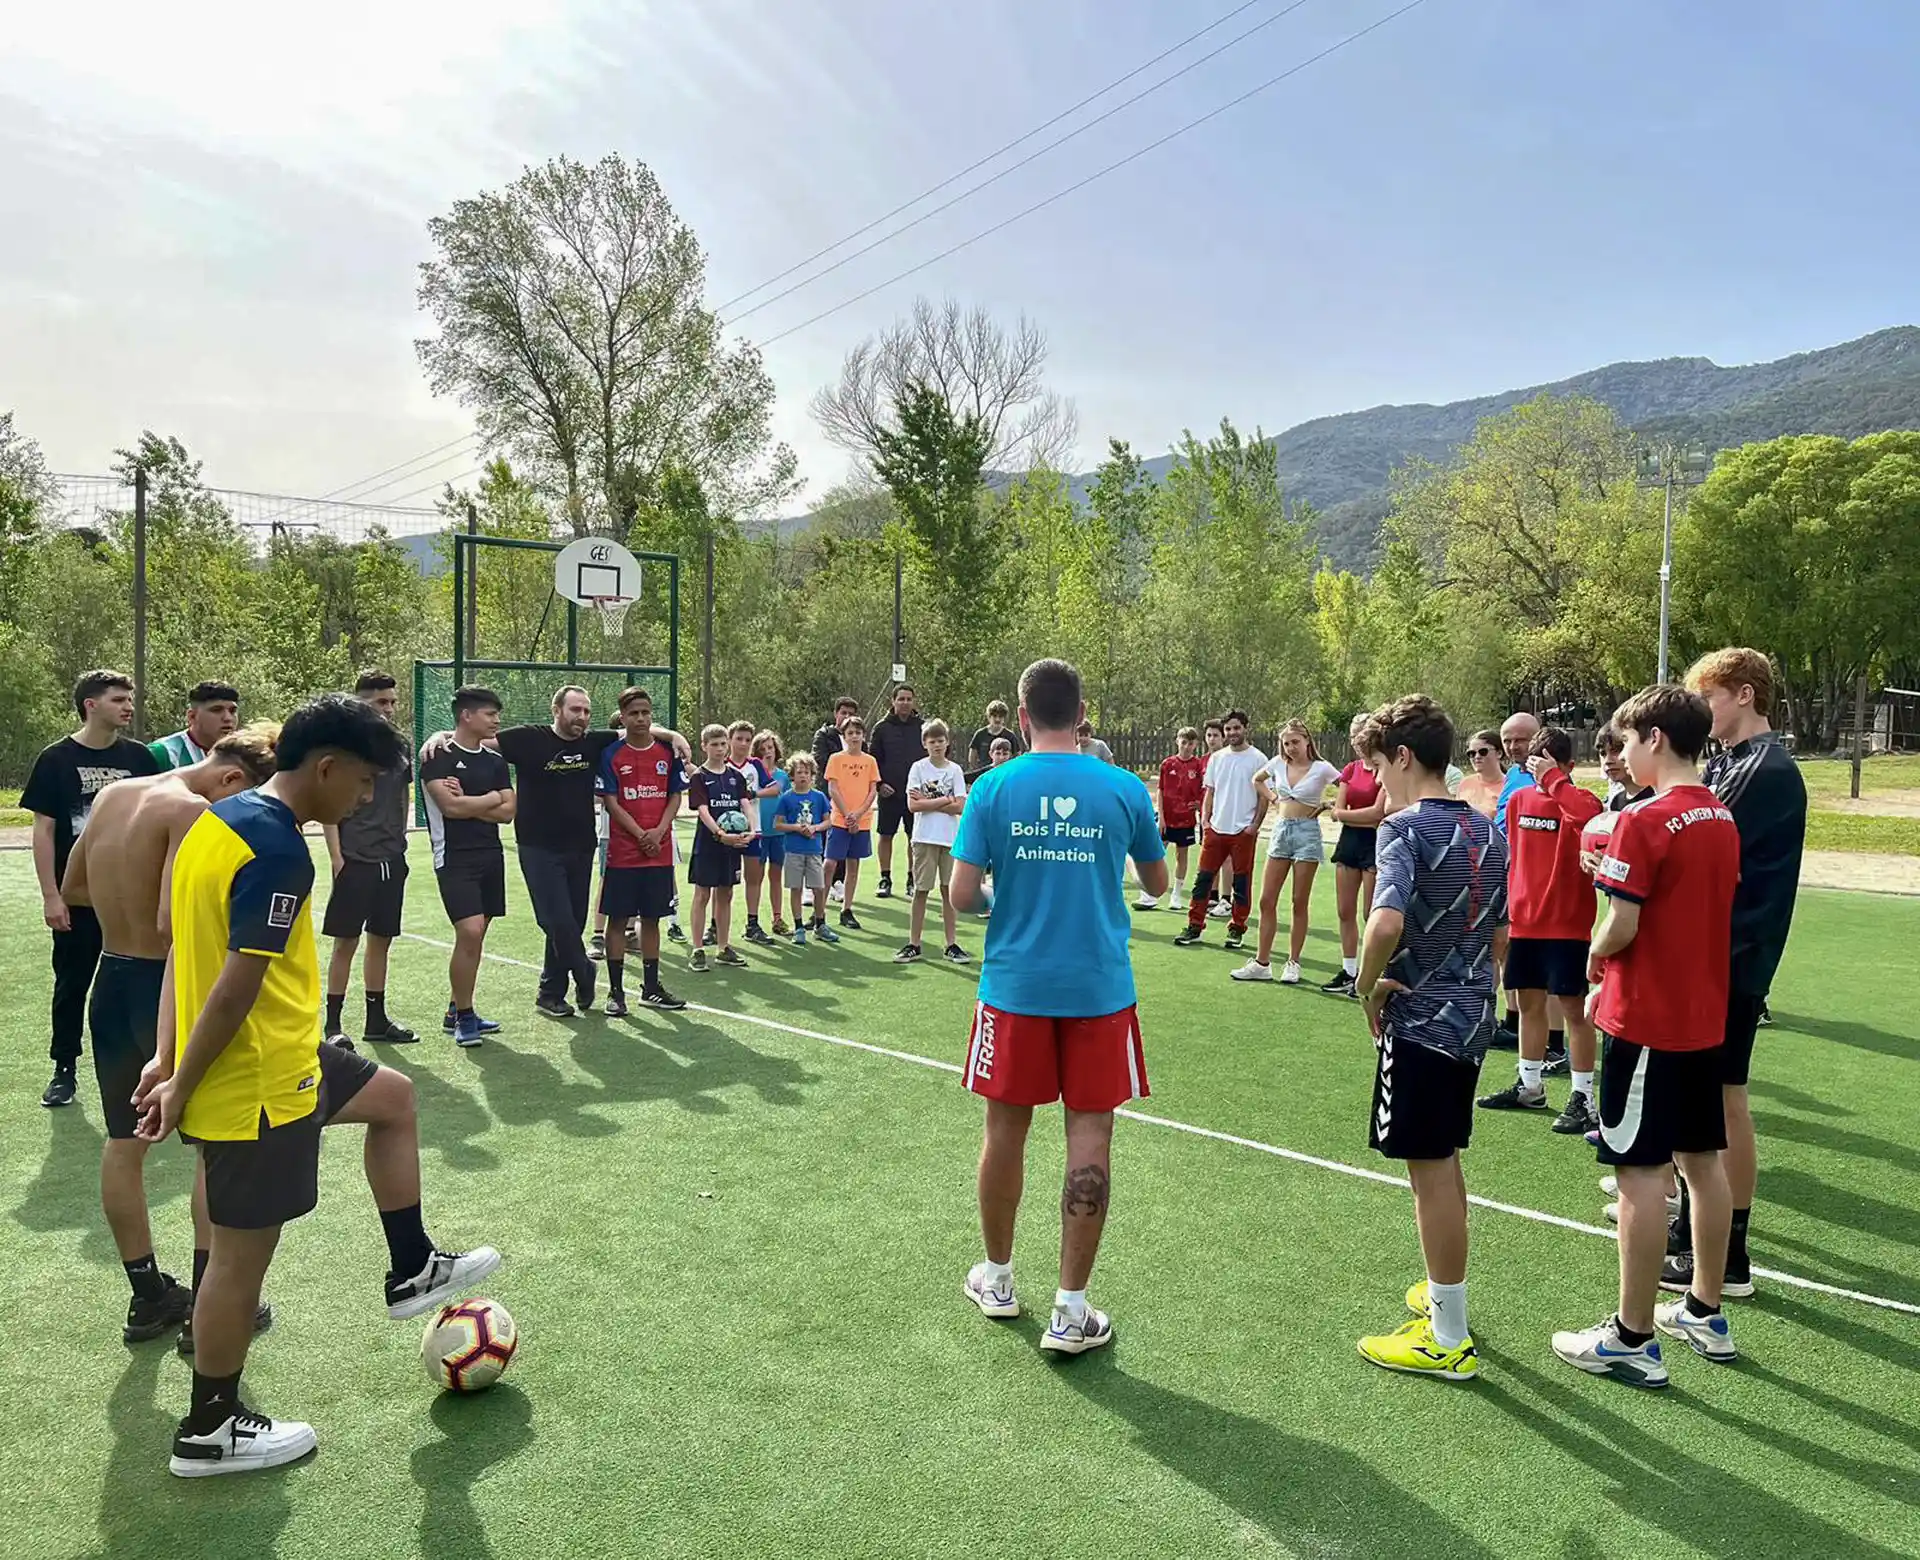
896	746
469	795
59	793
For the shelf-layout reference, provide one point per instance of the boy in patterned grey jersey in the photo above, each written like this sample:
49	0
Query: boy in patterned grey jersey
1439	922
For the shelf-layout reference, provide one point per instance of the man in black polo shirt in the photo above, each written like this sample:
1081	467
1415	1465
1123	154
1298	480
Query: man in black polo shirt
368	849
59	793
1760	784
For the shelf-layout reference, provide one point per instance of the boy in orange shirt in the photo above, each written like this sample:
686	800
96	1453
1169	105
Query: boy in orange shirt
853	786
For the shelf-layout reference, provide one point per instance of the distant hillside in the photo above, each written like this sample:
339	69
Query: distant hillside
1341	464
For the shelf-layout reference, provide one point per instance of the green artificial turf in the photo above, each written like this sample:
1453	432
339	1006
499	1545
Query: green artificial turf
735	1254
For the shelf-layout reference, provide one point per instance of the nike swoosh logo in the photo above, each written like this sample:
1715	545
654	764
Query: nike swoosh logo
1620	1138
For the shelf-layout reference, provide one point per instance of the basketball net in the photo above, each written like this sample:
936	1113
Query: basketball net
612	612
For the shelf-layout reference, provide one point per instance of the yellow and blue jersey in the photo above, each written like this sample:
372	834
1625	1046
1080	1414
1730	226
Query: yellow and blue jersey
243	883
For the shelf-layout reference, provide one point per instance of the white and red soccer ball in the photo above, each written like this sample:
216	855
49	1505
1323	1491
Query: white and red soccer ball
469	1345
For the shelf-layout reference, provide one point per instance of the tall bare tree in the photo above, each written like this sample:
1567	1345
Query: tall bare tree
569	316
980	369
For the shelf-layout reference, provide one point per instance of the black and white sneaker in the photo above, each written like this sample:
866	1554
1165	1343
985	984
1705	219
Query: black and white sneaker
1515	1097
1579	1116
262	1320
674	934
1188	936
391	1034
1340	986
617	1005
59	1090
445	1275
1235	940
885	890
1765	1020
1556	1065
910	954
728	959
955	954
756	933
660	998
597	948
849	921
148	1319
340	1038
554	1007
245	1443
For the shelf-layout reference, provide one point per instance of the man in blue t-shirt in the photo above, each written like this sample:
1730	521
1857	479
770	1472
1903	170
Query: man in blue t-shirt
1056	1017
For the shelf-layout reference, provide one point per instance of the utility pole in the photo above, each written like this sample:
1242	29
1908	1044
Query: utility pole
140	602
1669	467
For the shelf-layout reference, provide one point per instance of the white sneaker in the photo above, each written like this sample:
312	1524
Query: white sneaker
446	1274
1290	974
1253	969
1076	1334
1600	1351
1610	1186
996	1300
1710	1336
1146	902
1221	910
246	1443
837	894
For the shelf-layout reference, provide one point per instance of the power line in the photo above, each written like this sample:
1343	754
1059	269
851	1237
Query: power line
366	487
1113	167
1019	140
975	189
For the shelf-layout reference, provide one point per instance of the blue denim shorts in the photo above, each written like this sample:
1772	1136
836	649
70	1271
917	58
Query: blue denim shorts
1297	839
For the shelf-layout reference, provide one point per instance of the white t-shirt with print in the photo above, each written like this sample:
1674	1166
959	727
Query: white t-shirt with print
1230	777
927	778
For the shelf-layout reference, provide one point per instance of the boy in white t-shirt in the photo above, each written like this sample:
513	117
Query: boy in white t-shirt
936	796
1231	807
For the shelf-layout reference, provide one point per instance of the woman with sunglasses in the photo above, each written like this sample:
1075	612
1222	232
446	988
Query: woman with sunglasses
1480	789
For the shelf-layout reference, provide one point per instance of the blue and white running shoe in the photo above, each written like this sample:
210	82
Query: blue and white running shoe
1600	1351
1708	1336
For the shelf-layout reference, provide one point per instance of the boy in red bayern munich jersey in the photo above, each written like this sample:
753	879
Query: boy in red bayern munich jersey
1550	899
640	785
1660	958
1183	780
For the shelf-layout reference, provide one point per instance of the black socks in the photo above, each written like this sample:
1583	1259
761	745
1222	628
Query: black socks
408	1248
651	974
215	1398
336	1012
149	1283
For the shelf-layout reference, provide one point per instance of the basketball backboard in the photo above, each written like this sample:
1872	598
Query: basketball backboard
595	569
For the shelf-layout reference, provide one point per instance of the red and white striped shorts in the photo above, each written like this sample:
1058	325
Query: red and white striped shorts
1090	1064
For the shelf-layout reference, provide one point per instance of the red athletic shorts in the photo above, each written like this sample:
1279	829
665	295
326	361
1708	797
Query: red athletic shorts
1091	1064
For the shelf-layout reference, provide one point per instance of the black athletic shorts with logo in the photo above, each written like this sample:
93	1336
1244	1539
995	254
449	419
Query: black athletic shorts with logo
124	1016
473	882
1743	1023
1178	836
1552	964
256	1183
367	896
1422	1100
646	892
1655	1104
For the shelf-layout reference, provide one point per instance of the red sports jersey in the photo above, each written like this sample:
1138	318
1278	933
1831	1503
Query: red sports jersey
638	781
1363	785
1182	783
1548	895
1677	856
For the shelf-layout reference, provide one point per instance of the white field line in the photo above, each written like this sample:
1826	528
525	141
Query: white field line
1357	1172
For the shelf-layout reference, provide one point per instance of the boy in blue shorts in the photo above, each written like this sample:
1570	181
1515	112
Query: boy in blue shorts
800	821
853	786
769	846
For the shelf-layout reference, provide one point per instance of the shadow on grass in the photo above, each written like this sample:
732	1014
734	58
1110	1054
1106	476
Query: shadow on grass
1794	1099
1862	1037
1826	1266
1818	1134
65	1192
1653	1479
145	1510
451	1117
477	1433
684	1059
1901	1352
1310	1496
1851	1210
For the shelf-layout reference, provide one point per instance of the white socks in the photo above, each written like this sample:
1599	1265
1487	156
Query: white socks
1447	1306
1351	966
1583	1084
1531	1073
999	1273
1180	891
1071	1301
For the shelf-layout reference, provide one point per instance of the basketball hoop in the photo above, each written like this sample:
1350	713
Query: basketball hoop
612	611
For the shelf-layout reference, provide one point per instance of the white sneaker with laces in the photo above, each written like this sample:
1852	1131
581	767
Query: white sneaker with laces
1600	1351
1253	969
1610	1186
1709	1336
446	1274
245	1443
837	894
994	1299
1290	974
1146	902
1221	910
1068	1334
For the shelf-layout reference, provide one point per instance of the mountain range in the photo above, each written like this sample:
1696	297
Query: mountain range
1341	464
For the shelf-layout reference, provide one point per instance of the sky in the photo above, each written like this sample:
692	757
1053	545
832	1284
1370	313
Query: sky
212	213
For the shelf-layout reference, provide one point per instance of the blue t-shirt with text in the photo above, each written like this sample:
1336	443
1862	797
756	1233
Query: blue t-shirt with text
802	807
1055	830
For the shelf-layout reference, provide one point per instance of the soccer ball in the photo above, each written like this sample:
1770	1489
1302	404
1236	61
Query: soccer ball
734	822
469	1345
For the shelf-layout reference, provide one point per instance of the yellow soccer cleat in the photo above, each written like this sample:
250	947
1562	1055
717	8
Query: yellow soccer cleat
1414	1348
1417	1301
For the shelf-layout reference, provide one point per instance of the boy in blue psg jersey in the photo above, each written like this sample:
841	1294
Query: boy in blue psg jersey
1056	1017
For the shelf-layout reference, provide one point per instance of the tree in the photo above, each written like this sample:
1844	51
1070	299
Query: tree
1341	625
570	317
1808	548
980	369
25	491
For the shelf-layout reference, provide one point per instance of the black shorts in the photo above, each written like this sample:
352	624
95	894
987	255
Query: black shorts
1355	848
1554	964
367	897
257	1183
1422	1101
1178	836
1743	1023
714	865
124	1016
893	814
473	883
646	892
1655	1104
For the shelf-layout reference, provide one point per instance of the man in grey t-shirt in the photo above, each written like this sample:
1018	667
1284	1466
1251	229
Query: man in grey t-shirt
369	853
